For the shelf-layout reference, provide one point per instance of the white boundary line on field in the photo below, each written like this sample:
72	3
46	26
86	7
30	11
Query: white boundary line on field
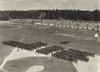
22	38
6	59
13	28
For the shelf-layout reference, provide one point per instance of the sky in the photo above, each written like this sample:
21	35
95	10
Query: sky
49	4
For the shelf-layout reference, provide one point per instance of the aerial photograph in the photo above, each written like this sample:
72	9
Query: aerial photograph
49	35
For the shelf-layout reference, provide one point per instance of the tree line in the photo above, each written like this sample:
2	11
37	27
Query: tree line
52	14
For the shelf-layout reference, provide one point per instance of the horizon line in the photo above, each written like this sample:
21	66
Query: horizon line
48	9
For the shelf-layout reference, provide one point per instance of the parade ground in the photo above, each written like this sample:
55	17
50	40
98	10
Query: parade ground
12	60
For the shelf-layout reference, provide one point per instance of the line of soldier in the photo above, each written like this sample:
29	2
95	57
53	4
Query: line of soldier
50	49
27	46
65	42
82	52
59	52
73	55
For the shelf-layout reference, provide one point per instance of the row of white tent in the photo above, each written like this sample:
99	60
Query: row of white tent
71	24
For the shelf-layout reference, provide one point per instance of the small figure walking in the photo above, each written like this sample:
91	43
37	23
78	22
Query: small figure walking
18	50
51	60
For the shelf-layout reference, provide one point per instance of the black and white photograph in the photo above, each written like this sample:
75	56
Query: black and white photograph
49	35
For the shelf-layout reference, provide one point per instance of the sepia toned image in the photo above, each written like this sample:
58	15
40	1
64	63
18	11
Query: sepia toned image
49	35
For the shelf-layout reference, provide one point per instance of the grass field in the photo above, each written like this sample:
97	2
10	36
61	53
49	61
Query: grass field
80	39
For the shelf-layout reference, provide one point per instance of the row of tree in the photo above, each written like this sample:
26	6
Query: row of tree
52	14
73	14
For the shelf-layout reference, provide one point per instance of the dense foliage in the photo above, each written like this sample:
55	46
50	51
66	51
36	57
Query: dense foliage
52	14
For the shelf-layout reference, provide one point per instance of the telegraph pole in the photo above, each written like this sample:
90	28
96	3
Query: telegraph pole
97	28
77	26
87	26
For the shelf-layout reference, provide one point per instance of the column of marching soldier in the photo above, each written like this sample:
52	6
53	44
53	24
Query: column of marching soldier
26	46
56	51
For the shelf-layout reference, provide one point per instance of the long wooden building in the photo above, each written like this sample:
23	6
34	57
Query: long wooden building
24	20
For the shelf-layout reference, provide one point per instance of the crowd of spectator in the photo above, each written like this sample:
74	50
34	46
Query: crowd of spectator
27	46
